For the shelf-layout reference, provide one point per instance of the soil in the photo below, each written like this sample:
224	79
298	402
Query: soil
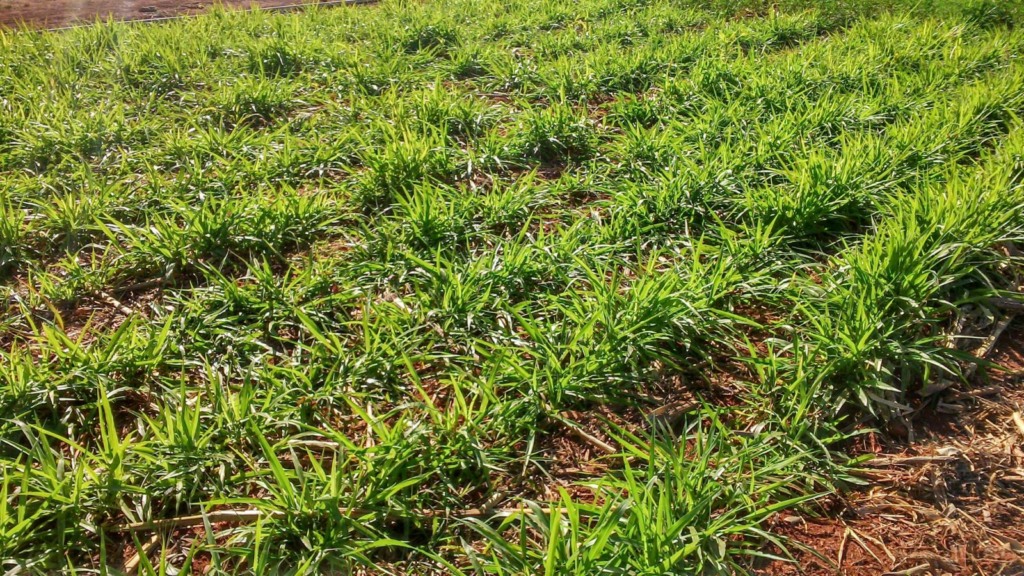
949	502
60	13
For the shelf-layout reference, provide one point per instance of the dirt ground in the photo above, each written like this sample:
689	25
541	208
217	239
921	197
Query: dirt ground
59	13
950	501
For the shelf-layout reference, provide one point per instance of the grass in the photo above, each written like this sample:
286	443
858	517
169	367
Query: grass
359	287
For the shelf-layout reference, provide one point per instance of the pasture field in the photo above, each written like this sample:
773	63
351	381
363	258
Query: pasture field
468	287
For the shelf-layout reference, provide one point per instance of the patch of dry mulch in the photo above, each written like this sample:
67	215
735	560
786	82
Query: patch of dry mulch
949	502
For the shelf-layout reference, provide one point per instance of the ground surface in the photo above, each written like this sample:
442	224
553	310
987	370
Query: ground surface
950	502
58	13
533	287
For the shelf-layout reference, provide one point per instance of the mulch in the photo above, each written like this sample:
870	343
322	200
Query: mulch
949	502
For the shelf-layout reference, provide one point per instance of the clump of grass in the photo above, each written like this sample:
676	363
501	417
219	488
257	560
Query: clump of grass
889	297
452	114
407	159
642	519
252	99
157	72
989	14
276	59
11	237
437	38
558	133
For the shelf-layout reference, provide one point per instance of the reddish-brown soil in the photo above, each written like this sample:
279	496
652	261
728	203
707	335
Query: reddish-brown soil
58	13
950	502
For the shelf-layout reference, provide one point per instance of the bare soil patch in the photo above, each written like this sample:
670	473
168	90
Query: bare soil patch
58	13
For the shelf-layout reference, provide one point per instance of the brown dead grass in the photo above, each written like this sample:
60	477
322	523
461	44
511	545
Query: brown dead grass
951	502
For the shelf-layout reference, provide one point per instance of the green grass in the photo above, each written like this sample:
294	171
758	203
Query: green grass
362	272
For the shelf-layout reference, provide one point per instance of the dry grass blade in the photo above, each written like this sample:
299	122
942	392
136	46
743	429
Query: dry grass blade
989	345
131	566
1018	420
120	306
577	430
914	571
891	461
